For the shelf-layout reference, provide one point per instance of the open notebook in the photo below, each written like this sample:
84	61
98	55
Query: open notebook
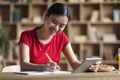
43	73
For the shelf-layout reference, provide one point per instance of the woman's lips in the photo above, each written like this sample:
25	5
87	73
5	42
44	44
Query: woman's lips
52	31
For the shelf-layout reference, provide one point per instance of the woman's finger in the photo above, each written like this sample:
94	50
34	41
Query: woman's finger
58	68
94	68
53	66
99	62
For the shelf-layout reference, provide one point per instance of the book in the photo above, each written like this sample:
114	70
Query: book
16	16
43	72
116	15
95	0
109	37
93	33
107	55
94	16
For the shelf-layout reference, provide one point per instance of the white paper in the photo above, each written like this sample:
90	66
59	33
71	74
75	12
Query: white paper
43	73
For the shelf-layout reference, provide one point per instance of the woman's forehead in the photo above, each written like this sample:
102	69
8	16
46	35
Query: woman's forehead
60	18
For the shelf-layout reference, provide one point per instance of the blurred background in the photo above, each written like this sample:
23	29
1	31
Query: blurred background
94	29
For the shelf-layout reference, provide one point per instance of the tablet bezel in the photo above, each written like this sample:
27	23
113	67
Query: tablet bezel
85	64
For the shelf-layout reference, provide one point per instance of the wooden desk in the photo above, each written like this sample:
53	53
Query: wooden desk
77	76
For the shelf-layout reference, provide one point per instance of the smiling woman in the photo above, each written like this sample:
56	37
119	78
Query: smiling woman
47	38
55	23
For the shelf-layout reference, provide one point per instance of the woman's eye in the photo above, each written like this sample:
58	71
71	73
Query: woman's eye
54	22
61	26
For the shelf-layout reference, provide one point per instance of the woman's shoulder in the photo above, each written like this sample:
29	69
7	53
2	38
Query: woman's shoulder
29	31
61	35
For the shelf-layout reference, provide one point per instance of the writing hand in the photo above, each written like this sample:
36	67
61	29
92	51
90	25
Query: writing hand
52	66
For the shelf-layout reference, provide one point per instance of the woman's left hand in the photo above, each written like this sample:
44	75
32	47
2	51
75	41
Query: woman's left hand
95	67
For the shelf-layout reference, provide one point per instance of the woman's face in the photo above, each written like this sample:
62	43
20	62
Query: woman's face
55	24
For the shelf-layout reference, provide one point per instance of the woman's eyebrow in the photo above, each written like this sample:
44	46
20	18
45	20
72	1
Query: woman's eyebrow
58	21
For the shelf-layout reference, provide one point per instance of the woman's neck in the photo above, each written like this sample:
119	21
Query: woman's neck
45	41
42	35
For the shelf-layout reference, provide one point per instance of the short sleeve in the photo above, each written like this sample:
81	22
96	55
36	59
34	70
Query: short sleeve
24	38
65	40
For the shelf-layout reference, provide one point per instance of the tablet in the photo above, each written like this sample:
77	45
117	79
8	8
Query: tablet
85	64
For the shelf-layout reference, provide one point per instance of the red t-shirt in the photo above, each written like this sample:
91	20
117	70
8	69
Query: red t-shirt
38	50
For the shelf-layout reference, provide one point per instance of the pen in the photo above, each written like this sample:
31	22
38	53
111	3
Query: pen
49	58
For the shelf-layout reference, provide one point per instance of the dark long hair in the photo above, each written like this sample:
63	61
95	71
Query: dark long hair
58	9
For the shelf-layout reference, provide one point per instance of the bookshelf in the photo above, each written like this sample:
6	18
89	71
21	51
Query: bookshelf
87	30
95	33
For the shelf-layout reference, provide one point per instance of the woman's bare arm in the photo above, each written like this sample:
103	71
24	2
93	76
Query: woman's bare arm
25	61
69	54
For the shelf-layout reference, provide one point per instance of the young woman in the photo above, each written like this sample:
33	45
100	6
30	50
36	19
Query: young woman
47	38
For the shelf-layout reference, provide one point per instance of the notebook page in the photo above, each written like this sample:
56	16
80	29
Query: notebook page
43	73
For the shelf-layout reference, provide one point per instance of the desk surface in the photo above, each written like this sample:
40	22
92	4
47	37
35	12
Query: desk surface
75	76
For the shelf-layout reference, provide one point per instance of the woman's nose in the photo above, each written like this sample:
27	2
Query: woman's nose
56	27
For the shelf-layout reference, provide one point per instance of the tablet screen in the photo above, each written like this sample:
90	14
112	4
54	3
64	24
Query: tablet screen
85	64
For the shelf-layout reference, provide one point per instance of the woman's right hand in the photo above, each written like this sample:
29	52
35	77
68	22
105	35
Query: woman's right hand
52	66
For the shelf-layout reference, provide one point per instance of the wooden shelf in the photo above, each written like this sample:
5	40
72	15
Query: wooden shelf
84	42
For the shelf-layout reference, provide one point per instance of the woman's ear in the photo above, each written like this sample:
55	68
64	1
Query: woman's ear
45	16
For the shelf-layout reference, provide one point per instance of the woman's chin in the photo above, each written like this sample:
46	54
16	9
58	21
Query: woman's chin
53	33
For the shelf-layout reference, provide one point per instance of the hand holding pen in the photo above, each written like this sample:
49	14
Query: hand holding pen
51	66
